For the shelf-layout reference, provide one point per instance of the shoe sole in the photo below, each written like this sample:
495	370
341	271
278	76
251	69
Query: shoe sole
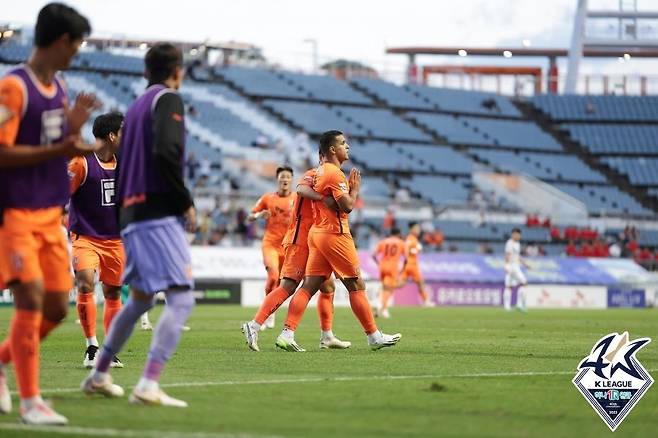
286	347
140	401
334	347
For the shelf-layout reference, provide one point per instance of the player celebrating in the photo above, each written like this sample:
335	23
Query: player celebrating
387	255
35	144
94	232
411	269
331	248
153	204
295	244
514	277
276	208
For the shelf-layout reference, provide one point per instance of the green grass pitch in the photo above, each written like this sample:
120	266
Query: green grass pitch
457	372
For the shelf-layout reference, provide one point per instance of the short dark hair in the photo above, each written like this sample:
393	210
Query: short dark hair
57	19
284	169
327	140
412	224
516	230
161	62
395	231
107	123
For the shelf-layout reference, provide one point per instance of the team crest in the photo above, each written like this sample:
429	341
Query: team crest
612	379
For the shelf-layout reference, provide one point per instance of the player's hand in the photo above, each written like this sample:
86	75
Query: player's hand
190	220
265	214
85	104
355	180
330	202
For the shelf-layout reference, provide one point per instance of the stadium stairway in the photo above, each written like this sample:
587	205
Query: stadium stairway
613	176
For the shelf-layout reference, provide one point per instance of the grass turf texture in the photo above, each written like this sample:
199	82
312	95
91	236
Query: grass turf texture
447	346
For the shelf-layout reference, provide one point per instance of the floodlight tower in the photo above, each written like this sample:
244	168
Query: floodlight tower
626	28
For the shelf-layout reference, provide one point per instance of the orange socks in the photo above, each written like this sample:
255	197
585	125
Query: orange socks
110	309
272	301
5	348
326	310
24	347
87	314
296	308
361	308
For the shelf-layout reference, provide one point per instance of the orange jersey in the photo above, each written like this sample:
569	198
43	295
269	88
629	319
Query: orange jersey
413	249
280	208
302	219
389	252
330	181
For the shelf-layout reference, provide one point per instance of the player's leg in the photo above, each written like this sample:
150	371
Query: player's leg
112	260
326	316
520	290
86	307
271	261
296	309
146	322
422	290
166	336
507	291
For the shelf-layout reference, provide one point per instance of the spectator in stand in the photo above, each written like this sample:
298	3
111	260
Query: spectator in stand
389	219
205	167
571	250
555	234
614	250
485	248
571	233
542	251
546	223
532	220
531	250
192	164
631	248
600	248
586	250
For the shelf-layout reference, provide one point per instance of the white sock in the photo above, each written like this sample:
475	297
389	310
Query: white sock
520	298
507	298
98	376
27	403
375	337
92	341
145	318
254	325
326	334
147	384
288	334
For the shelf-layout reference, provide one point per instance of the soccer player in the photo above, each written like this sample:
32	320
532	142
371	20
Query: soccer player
94	232
154	204
514	277
295	244
276	208
411	269
387	255
331	248
36	142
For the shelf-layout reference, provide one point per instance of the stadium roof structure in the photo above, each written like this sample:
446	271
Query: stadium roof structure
592	52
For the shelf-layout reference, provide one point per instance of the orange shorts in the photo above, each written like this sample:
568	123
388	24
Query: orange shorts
272	257
104	255
329	252
389	277
34	248
412	272
294	263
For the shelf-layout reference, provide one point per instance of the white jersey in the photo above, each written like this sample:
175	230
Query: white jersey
513	248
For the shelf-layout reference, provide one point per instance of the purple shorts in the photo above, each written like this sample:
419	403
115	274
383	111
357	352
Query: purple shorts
157	255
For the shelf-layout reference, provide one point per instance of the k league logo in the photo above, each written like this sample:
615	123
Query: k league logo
611	378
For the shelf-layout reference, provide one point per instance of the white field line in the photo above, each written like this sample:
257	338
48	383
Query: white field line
338	379
127	433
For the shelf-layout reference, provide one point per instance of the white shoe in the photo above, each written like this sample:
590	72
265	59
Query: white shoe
41	414
385	340
186	328
269	322
334	343
146	326
5	395
89	386
428	303
155	398
91	354
288	345
385	314
251	335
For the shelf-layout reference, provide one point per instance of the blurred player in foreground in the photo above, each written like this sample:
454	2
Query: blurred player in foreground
411	266
331	247
514	277
295	244
154	204
387	255
94	232
35	144
276	209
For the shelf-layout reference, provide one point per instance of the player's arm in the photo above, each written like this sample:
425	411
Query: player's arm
77	116
17	155
169	143
77	173
305	191
346	201
260	210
